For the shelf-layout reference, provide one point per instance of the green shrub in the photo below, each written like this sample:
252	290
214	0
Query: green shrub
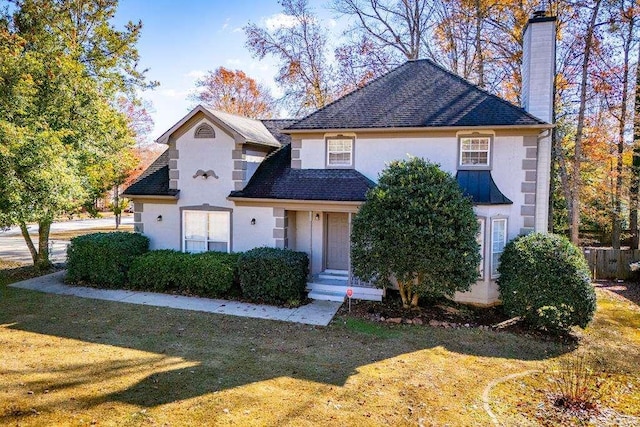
209	274
274	276
103	259
545	280
157	271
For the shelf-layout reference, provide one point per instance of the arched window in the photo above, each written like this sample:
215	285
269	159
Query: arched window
204	131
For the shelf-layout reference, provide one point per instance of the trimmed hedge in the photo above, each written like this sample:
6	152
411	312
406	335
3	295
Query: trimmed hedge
274	276
209	274
545	279
103	259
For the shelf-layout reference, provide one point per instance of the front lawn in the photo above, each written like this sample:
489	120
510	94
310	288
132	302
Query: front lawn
66	360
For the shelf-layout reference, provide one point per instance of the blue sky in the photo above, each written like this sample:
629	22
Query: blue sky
182	40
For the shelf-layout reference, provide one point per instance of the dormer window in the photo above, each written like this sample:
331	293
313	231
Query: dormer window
204	131
340	152
475	152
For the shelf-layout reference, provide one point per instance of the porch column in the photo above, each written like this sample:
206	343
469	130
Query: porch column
280	229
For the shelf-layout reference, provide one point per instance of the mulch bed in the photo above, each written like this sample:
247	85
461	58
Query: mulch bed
443	313
435	312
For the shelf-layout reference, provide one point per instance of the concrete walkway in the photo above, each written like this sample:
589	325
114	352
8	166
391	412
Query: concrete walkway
316	313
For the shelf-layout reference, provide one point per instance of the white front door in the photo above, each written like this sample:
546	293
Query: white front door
337	254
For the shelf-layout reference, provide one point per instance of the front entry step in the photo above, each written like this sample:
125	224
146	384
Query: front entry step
333	285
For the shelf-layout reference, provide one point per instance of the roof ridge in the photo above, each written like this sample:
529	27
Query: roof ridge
353	92
475	86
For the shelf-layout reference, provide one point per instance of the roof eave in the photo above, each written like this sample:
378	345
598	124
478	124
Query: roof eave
152	196
165	137
541	126
309	202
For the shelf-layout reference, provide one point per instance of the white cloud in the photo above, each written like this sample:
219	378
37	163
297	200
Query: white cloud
233	61
237	30
332	23
280	20
196	74
226	24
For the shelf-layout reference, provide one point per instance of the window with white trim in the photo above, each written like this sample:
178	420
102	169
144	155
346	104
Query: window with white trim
475	151
498	242
480	240
206	231
340	152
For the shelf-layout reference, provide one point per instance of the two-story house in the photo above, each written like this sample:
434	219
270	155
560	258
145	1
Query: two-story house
230	183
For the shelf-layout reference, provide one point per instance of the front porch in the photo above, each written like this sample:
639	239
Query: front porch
325	237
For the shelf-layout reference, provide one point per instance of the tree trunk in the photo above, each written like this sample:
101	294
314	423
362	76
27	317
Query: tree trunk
43	262
577	162
635	171
408	296
617	211
117	212
27	238
404	294
478	43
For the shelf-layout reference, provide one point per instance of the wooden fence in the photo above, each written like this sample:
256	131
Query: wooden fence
608	263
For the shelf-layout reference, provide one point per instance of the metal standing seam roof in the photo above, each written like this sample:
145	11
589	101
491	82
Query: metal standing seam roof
417	94
479	185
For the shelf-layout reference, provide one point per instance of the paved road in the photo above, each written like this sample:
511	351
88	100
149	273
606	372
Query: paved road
14	248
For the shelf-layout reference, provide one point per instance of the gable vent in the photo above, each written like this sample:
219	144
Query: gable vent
204	131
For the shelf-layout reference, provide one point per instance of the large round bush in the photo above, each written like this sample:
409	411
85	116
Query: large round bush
273	276
545	280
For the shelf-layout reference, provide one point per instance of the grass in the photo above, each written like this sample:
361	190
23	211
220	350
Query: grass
73	361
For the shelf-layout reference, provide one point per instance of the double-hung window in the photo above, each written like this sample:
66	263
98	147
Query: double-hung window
340	152
498	242
206	231
475	151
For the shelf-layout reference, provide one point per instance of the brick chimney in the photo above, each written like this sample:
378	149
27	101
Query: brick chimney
538	71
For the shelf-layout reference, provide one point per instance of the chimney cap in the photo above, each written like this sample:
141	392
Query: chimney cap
540	16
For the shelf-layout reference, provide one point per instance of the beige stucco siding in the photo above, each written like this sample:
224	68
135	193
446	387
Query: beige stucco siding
247	236
209	194
163	234
205	154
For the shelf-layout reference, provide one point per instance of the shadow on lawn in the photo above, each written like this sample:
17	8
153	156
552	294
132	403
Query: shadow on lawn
627	290
228	352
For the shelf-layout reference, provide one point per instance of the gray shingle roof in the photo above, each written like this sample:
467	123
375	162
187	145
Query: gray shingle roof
275	179
276	125
252	130
417	94
154	181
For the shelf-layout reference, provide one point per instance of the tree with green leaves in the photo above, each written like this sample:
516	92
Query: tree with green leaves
418	228
62	66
